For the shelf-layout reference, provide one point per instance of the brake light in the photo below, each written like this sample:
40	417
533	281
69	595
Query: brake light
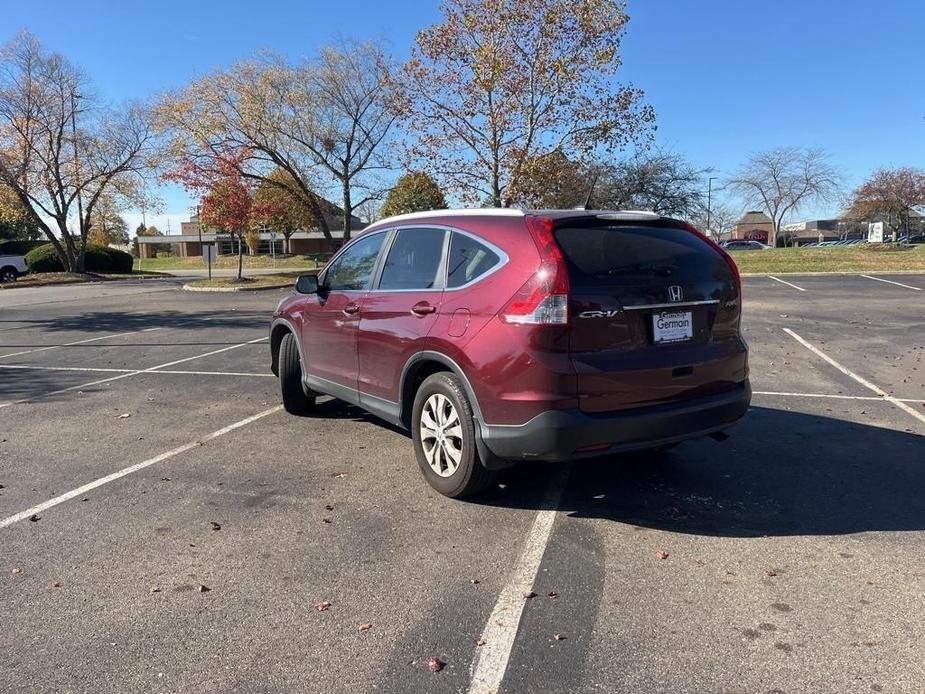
722	251
543	299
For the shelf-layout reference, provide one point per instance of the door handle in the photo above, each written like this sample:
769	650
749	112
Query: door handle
423	308
350	309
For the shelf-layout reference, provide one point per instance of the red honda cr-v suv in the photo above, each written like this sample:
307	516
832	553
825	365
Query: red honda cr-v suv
500	335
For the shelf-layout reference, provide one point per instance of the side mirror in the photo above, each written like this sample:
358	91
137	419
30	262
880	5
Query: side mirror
307	284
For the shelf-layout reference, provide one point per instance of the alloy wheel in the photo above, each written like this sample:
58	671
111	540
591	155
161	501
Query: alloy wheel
441	435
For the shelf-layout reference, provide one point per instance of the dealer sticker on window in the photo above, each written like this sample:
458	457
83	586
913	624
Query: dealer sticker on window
672	326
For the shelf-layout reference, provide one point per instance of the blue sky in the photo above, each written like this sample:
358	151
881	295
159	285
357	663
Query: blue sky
727	77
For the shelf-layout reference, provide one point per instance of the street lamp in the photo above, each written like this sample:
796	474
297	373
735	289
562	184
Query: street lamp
710	200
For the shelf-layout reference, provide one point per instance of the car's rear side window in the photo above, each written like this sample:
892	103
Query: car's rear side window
414	260
469	260
616	254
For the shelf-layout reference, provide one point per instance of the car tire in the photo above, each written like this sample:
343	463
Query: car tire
295	401
8	274
443	431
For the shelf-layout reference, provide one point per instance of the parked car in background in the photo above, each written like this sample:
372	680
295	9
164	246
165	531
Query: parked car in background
744	245
12	266
501	335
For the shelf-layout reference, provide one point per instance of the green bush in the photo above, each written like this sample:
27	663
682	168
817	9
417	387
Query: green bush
96	259
19	247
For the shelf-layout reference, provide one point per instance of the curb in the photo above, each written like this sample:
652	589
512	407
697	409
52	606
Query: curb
835	273
228	290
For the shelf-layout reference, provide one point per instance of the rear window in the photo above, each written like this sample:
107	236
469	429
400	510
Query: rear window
469	260
615	254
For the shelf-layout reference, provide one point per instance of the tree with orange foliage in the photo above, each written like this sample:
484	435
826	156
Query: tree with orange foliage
889	196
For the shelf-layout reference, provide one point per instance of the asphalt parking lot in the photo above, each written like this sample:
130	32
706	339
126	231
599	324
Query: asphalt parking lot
165	527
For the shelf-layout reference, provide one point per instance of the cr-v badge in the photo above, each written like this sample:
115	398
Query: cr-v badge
600	314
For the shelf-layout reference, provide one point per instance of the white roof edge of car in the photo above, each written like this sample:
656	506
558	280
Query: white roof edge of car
510	212
462	212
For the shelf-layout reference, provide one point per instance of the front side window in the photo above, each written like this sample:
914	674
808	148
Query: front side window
354	267
469	260
414	260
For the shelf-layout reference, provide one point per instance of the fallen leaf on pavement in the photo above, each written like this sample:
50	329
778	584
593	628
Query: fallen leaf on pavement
552	594
203	589
364	627
530	595
771	572
56	584
124	415
435	664
16	571
216	526
35	518
559	637
325	520
328	507
480	642
322	606
339	475
661	554
155	589
474	581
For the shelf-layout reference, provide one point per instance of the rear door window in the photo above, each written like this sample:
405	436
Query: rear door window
614	254
469	259
414	260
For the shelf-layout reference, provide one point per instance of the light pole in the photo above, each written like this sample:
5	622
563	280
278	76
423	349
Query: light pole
710	200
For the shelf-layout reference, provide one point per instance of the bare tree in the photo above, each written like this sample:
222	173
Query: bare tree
656	180
320	121
61	150
718	222
351	120
781	180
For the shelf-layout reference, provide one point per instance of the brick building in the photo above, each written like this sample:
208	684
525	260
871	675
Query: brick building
189	241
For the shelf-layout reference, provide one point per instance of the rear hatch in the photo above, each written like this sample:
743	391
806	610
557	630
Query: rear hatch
653	313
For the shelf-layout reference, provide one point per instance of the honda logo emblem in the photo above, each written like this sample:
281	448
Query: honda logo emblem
675	293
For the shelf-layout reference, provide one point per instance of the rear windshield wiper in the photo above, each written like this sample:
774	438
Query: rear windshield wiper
640	269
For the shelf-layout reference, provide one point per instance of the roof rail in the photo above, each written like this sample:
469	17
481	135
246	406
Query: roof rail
467	212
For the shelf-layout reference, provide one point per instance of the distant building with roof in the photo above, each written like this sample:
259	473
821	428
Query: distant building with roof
754	225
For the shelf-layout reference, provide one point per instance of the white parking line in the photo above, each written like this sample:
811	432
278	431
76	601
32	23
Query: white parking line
898	284
827	395
863	381
78	342
45	505
30	367
152	369
491	662
789	284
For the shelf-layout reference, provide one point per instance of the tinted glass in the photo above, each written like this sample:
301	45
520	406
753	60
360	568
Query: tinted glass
414	260
469	260
614	255
352	270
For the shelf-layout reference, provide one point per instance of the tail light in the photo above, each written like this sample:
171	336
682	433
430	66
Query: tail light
722	251
543	300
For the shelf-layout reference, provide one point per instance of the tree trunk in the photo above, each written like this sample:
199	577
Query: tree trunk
240	259
348	210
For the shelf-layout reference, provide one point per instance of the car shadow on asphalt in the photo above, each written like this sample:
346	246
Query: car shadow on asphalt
127	321
779	474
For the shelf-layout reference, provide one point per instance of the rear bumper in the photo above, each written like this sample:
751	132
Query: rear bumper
559	435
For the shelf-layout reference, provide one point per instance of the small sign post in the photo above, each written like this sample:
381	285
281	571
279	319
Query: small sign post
208	254
273	245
